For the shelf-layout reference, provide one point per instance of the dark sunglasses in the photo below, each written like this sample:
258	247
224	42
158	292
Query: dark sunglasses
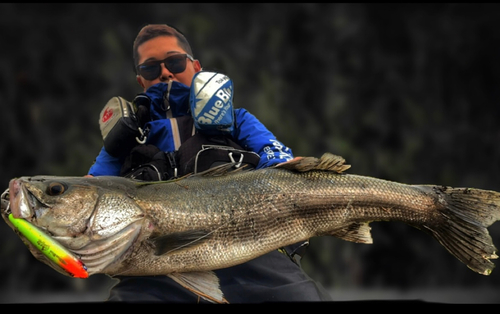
151	70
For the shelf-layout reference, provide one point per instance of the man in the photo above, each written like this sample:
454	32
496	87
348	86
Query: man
165	67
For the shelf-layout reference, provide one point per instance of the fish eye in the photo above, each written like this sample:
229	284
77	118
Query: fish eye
56	188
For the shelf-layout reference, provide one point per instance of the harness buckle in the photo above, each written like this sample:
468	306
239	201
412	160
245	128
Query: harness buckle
232	159
143	137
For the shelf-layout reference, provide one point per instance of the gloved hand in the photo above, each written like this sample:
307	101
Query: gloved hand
141	105
158	94
168	99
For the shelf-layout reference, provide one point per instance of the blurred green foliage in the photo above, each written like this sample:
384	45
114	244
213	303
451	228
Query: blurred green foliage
405	92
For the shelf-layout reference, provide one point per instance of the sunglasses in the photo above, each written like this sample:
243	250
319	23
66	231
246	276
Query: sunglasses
151	70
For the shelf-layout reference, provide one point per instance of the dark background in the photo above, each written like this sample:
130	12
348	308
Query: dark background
408	93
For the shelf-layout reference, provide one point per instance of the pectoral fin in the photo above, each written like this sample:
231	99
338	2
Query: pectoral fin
204	284
179	240
356	232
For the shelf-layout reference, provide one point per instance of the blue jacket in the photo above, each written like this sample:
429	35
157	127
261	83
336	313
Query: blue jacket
249	132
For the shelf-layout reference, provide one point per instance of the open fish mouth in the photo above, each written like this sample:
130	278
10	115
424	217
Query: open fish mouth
52	250
23	203
41	245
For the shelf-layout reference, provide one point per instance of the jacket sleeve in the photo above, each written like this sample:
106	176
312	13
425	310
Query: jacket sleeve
105	165
252	135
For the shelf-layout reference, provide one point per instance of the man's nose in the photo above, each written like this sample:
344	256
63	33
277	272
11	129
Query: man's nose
165	74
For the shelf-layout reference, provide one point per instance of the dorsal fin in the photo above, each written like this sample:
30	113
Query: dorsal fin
327	162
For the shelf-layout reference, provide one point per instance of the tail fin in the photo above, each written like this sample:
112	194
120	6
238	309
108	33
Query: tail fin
468	212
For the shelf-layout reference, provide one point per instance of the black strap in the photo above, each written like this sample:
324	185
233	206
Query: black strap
196	153
172	169
202	152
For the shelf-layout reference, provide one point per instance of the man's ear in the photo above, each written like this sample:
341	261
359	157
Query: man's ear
197	66
139	80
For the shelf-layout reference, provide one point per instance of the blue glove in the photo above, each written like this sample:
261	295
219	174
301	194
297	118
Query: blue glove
172	96
156	95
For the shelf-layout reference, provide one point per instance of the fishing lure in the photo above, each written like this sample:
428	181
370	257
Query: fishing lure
50	248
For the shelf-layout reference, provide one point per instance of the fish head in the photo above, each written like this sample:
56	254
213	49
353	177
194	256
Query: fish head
94	218
61	206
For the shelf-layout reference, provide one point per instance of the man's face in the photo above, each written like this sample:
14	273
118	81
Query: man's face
160	48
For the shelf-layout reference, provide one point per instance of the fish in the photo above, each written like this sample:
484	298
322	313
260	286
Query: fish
188	227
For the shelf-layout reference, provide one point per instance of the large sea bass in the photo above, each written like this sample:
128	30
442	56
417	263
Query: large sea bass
187	227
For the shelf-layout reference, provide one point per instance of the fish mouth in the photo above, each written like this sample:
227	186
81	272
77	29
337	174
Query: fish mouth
96	255
23	203
28	233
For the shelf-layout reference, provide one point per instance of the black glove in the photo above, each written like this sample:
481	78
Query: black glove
119	127
141	105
